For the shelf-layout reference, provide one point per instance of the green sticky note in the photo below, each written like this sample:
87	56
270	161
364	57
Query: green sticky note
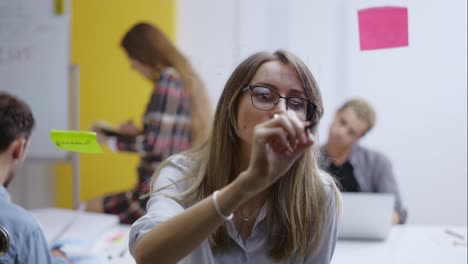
59	7
78	141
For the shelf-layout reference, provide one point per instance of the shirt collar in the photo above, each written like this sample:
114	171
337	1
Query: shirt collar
261	215
234	233
353	155
4	195
352	158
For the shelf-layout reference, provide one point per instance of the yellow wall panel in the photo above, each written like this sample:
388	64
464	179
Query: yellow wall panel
109	89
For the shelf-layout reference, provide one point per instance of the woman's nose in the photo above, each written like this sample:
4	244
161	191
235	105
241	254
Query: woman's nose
281	105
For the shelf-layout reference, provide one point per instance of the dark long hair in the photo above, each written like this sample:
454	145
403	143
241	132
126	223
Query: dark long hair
148	44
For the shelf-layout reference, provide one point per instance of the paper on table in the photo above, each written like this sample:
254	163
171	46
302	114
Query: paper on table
77	233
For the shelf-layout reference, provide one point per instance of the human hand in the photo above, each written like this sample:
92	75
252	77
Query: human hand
57	252
395	218
277	143
129	128
101	138
100	125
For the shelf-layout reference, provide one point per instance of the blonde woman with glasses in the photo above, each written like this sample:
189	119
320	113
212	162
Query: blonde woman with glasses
253	193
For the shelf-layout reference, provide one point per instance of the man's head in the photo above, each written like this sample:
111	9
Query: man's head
352	121
16	124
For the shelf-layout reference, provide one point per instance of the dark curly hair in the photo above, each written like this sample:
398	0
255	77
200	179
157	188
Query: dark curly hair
16	120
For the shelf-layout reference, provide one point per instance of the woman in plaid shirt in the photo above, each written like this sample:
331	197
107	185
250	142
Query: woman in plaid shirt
177	116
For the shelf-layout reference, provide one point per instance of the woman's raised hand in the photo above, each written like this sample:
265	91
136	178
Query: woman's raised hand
276	145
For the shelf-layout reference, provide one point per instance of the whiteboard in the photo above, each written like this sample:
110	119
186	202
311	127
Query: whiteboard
34	65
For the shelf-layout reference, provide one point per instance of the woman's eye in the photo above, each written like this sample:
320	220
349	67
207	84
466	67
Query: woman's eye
263	95
296	104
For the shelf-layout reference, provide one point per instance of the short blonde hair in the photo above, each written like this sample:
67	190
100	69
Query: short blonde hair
363	109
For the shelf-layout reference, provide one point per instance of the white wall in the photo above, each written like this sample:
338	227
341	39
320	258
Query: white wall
217	40
420	94
206	33
316	33
34	184
419	91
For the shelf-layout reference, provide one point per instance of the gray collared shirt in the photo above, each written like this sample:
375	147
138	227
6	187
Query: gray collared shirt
373	172
27	242
254	250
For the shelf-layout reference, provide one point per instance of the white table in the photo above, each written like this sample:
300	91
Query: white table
98	238
407	244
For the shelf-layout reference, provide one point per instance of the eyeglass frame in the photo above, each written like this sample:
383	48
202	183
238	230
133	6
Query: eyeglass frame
251	86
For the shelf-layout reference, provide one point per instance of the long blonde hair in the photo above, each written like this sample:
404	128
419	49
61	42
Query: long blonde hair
148	44
298	218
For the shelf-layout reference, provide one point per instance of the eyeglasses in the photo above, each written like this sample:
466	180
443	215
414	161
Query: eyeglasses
265	99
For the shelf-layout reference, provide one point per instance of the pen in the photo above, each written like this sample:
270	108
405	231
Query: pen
123	252
454	234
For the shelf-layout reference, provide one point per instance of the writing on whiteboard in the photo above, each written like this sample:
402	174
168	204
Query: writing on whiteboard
15	54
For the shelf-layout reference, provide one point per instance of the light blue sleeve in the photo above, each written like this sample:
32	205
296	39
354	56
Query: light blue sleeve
34	249
160	207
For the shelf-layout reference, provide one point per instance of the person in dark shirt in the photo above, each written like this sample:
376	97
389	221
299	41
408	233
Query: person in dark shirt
345	175
359	169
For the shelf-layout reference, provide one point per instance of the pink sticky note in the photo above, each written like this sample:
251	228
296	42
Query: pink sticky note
383	27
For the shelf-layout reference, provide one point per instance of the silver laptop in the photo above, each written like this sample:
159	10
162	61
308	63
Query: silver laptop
366	216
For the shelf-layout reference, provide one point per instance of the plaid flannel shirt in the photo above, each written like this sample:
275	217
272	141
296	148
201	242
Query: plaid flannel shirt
166	131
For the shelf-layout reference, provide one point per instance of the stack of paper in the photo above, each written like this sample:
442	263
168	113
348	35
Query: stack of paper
79	234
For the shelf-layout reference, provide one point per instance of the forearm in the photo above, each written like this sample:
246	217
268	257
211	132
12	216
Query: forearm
175	238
